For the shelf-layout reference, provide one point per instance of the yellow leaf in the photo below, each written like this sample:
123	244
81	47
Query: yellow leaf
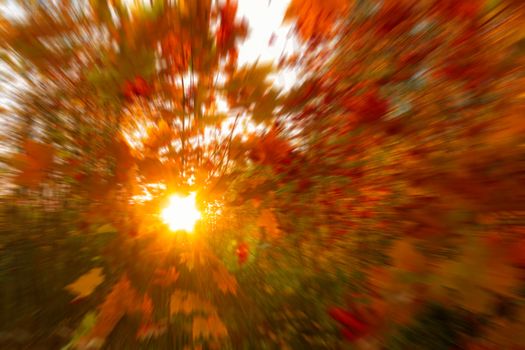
86	284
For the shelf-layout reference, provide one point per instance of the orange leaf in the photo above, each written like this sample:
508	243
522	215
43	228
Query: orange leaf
188	302
111	311
151	330
41	154
316	17
268	220
211	327
405	256
34	163
166	277
225	281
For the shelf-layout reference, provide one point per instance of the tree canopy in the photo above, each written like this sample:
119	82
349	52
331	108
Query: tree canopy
377	204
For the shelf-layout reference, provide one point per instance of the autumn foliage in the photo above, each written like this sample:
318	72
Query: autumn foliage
376	204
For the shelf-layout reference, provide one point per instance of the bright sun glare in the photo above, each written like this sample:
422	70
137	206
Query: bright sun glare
181	213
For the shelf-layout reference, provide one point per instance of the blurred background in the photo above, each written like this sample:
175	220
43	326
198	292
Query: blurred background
262	174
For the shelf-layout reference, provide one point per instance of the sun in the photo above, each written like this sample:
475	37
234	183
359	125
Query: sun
181	214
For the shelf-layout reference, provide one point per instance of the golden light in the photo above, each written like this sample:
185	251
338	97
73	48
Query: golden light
181	213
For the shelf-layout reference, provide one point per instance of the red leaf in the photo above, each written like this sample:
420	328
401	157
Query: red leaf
242	252
349	335
138	87
127	90
392	16
369	107
458	9
227	26
141	87
348	320
373	107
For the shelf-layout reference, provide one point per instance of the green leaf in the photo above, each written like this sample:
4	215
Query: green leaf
83	329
